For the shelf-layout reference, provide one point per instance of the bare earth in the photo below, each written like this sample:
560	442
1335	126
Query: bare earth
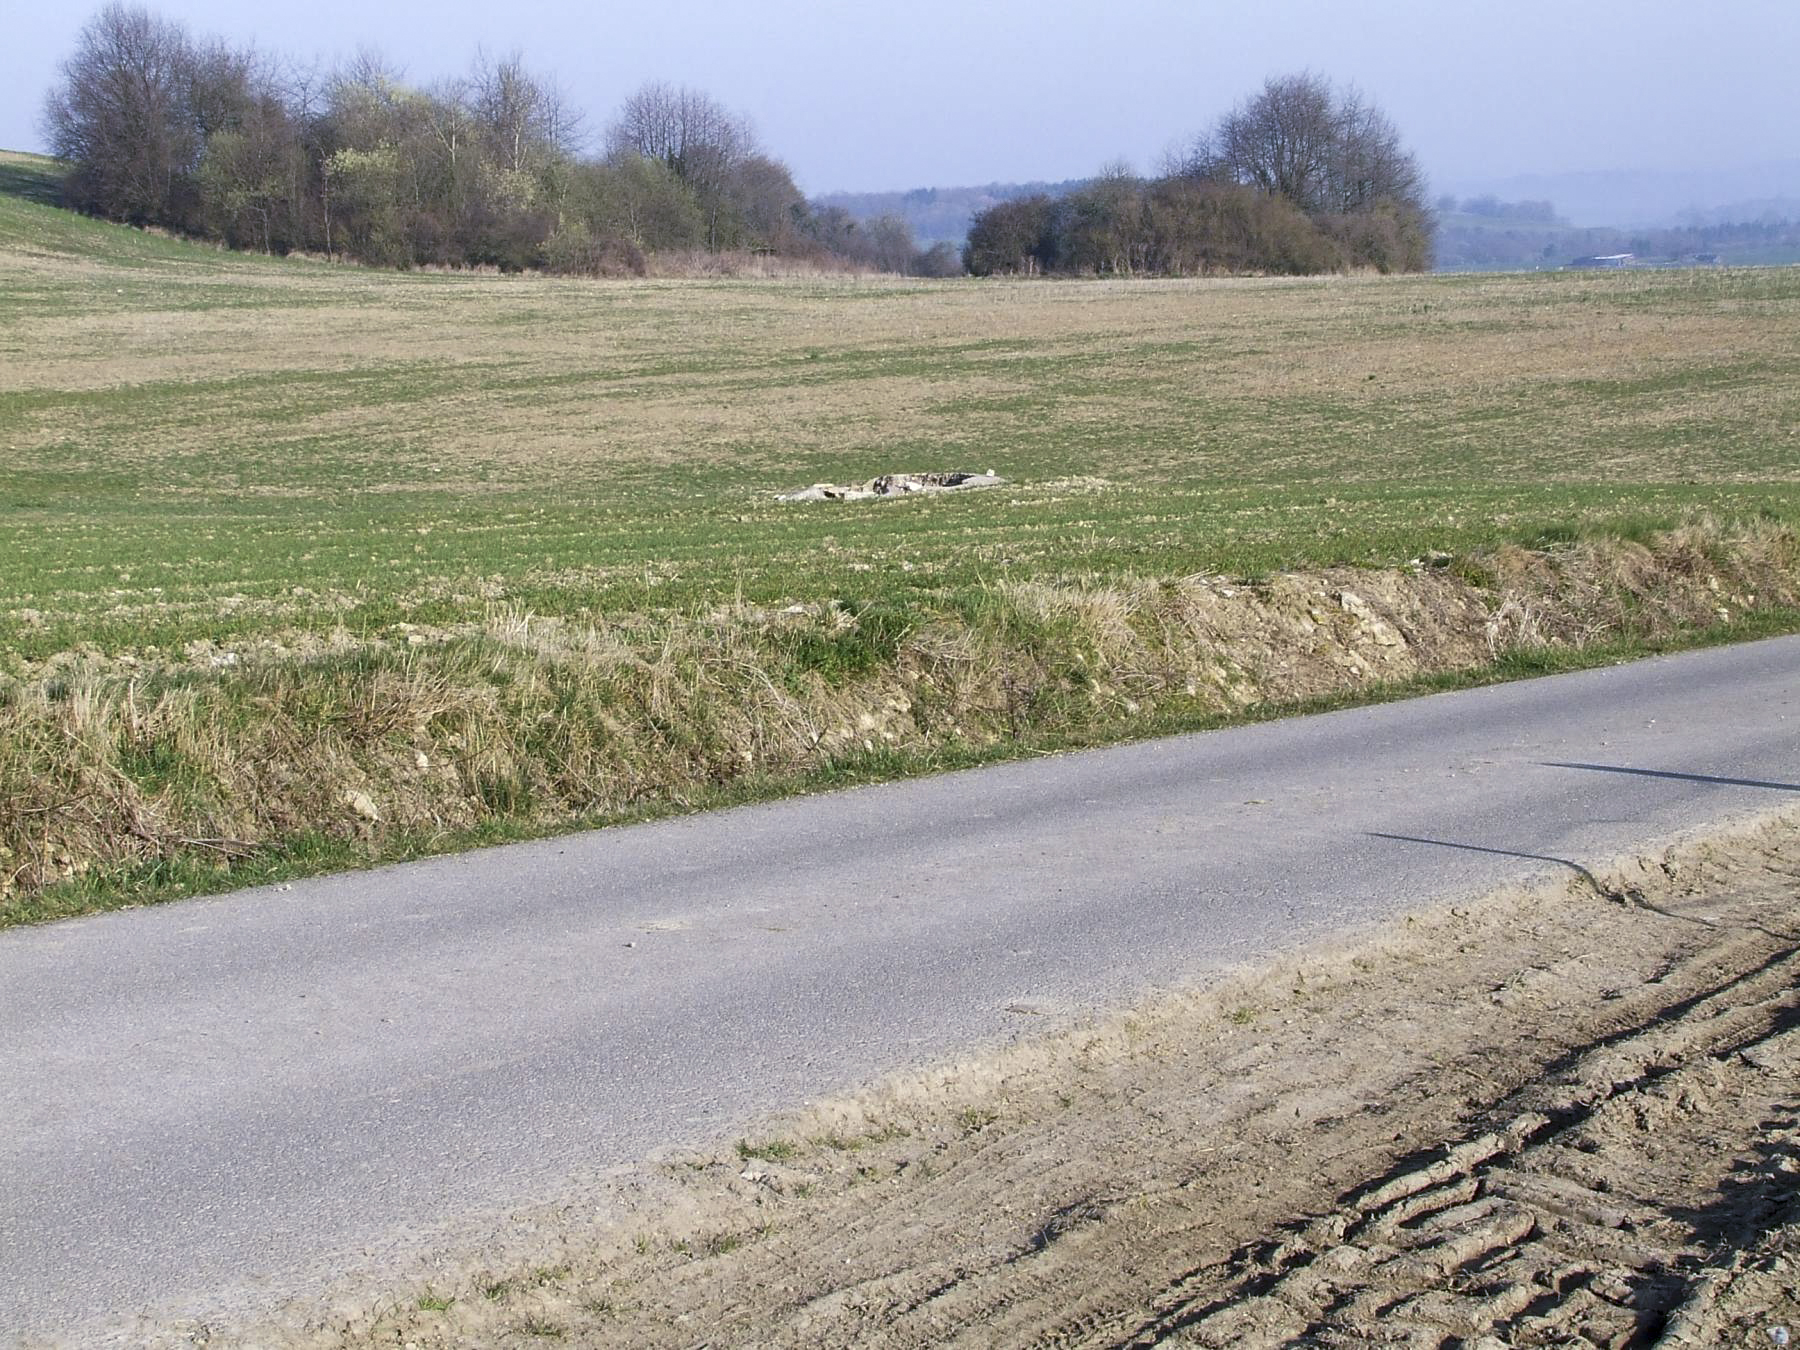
1564	1117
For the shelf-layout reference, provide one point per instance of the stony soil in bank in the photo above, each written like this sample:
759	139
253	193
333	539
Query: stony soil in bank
121	782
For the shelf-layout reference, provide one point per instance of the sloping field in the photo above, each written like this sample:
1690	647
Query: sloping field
303	564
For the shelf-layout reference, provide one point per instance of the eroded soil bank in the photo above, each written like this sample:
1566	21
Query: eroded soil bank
1568	1116
126	778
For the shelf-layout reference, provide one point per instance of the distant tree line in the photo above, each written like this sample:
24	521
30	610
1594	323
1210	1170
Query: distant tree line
160	127
941	213
196	135
1300	178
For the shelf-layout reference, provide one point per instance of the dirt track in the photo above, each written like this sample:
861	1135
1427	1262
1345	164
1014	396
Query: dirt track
1570	1117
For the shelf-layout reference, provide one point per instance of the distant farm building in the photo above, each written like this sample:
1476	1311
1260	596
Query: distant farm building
1606	260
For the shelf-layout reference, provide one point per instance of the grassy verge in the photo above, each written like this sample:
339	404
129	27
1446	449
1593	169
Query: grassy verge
116	789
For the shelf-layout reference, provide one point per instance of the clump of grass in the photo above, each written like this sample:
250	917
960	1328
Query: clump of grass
770	1150
722	1244
840	1142
975	1119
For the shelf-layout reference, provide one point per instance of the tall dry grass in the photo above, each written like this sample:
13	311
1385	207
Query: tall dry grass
526	719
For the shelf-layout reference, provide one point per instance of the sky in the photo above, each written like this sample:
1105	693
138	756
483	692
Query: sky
860	96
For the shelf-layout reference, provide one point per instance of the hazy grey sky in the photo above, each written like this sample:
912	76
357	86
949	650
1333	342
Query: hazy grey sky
904	94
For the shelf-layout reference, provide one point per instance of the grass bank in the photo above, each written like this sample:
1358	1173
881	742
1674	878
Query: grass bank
120	786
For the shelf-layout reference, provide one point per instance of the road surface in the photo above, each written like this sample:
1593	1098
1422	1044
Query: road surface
221	1102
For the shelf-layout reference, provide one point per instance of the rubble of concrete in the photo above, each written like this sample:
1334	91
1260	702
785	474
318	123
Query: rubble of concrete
893	485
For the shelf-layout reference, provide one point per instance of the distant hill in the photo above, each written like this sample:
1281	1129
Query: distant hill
939	215
1488	240
1760	209
1637	198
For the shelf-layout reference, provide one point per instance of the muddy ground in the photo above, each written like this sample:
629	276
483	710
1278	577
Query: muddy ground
1565	1117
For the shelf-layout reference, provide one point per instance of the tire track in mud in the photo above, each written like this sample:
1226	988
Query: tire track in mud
1544	1230
1553	1225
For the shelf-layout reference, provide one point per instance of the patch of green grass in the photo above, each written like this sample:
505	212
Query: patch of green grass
772	1150
434	1302
839	1142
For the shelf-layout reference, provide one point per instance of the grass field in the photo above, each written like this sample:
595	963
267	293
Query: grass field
219	463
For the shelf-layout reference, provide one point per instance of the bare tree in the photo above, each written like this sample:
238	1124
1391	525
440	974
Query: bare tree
1198	159
362	100
455	139
767	200
682	127
1283	139
252	171
1013	237
1369	163
1102	224
525	119
1328	152
700	140
119	114
361	174
888	244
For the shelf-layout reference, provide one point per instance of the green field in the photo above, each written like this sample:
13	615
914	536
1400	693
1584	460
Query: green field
216	463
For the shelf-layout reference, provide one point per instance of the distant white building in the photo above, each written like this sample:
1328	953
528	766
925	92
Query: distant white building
1606	260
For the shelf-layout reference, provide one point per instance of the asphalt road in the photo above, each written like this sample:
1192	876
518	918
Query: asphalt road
223	1101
